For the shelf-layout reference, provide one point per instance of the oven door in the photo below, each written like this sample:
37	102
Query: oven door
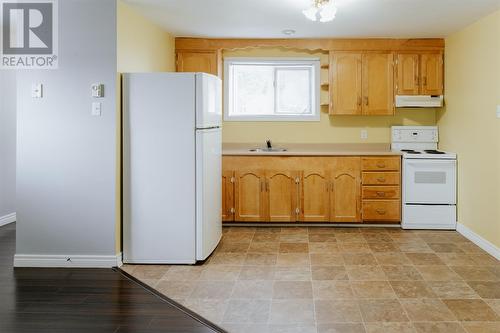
428	181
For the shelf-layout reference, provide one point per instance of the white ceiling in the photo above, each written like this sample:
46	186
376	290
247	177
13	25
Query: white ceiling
355	18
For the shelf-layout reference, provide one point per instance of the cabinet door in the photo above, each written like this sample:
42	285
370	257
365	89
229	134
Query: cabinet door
227	196
314	196
345	78
249	193
378	84
206	62
407	74
281	196
345	196
431	65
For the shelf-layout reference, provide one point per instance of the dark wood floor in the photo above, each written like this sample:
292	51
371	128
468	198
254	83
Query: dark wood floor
81	300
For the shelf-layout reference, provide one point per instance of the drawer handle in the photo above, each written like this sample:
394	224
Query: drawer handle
381	211
380	194
381	180
381	165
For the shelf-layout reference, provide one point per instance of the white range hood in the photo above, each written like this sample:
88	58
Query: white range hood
419	101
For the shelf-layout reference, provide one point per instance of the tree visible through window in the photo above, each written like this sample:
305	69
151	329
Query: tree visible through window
271	89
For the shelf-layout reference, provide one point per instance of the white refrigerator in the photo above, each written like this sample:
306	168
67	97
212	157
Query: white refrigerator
171	167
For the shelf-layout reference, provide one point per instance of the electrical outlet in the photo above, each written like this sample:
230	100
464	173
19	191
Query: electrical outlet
364	134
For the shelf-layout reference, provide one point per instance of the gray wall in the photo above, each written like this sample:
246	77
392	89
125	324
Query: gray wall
65	156
7	142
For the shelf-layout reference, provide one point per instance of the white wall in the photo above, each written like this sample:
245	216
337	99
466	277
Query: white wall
7	146
66	158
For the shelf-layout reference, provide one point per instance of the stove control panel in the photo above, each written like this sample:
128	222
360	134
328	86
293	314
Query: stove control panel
415	134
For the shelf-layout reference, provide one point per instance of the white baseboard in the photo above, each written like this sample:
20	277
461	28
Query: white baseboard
69	261
6	219
479	241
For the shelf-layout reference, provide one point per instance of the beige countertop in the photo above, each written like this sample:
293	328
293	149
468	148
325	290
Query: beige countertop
313	149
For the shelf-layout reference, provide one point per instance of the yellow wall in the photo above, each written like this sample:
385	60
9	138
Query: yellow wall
468	124
141	47
330	128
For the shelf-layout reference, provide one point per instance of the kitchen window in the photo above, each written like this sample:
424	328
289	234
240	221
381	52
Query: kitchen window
271	89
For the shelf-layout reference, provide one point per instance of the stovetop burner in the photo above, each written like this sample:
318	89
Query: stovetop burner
410	151
433	151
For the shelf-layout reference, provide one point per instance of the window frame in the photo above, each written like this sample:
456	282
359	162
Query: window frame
315	93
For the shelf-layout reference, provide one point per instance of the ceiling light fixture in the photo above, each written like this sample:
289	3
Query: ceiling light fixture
325	8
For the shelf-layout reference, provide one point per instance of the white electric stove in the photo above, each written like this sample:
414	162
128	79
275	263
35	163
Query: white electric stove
429	179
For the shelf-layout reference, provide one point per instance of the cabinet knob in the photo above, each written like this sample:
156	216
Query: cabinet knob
381	211
381	180
381	194
381	165
366	100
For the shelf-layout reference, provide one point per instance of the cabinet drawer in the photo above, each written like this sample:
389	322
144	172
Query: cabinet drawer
381	163
381	192
381	178
377	210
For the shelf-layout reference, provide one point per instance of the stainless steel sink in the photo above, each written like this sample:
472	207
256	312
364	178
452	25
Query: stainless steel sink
267	150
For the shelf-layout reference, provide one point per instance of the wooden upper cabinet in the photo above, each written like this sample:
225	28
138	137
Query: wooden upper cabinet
227	196
378	84
431	72
198	61
408	76
345	196
249	196
281	191
345	78
314	196
419	74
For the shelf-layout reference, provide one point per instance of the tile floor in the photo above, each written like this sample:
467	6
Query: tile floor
320	280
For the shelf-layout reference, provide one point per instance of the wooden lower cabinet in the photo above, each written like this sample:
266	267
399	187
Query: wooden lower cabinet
281	196
227	195
308	189
314	196
345	198
249	196
381	210
381	190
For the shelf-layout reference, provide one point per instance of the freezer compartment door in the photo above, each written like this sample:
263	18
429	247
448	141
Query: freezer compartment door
208	191
428	181
208	101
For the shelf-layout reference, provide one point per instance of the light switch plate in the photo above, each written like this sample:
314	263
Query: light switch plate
37	90
97	90
96	109
498	111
